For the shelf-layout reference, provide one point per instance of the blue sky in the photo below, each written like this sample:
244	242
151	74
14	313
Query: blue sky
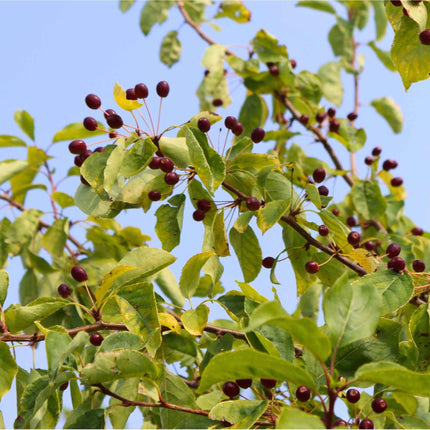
55	53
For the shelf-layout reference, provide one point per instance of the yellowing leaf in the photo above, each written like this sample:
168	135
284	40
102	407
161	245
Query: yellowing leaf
121	99
169	321
362	257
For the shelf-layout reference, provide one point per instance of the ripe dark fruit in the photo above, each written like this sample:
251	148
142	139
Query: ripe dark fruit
318	175
64	291
84	181
109	112
398	264
237	129
366	424
334	125
257	135
370	245
393	249
304	119
90	123
293	63
368	160
154	195
64	386
244	383
396	182
335	212
353	395
96	339
339	423
204	205
379	405
199	215
418	265
425	37
114	121
268	262
130	94
155	163
231	389
230	122
203	124
77	146
323	190
100	149
78	161
171	178
253	204
354	238
351	221
166	165
93	101
389	164
323	230
274	70
352	116
268	383
79	274
303	393
312	267
376	151
217	102
141	91
417	231
163	89
331	112
396	2
86	154
320	117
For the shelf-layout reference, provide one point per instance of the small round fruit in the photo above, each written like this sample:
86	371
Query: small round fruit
109	112
312	267
352	116
339	423
370	245
96	339
396	182
376	151
204	205
274	70
417	231
141	91
293	63
171	178
335	212
244	383
321	116
303	393
78	161
425	37
304	119
366	424
396	2
354	238
253	204
217	102
323	230
419	265
323	190
368	160
331	112
379	405
90	123
351	221
93	101
155	163
398	264
237	129
84	181
166	165
64	291
230	122
154	195
77	146
130	94
319	174
86	154
79	274
100	149
64	386
199	215
203	124
163	89
257	135
114	121
389	164
393	250
353	395
334	126
268	262
268	383
231	389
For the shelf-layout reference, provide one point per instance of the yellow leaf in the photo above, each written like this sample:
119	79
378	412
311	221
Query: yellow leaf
169	321
121	99
365	260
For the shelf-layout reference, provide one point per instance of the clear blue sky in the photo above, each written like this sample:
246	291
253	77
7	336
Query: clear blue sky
54	53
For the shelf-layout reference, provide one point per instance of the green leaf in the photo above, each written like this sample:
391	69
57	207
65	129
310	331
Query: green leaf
340	38
266	47
271	213
388	109
191	273
309	85
331	83
170	50
110	366
85	416
313	195
248	252
8	369
118	415
338	229
234	10
169	222
208	163
55	237
125	5
380	19
241	413
351	313
121	99
121	340
220	235
10	168
55	344
304	330
293	418
383	56
368	199
4	284
176	149
25	122
195	320
322	5
247	363
76	130
7	141
152	13
63	199
352	138
253	113
168	285
23	229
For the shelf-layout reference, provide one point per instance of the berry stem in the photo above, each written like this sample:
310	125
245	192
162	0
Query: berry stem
144	120
159	114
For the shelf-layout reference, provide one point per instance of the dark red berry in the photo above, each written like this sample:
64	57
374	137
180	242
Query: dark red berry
230	122
379	405
90	123
78	161
268	262
393	250
389	164
77	146
398	264
418	265
100	149
323	190
370	245
109	112
154	195
312	267
396	182
417	231
303	394
166	165
204	205
353	395
354	238
86	154
352	116
366	424
199	215
84	181
64	386
244	383
274	70
257	135
231	389
79	274
318	175
339	423
130	94
155	163
293	63
217	102
64	291
96	339
323	230
93	101
368	160
351	221
335	212
141	91
237	129
268	383
376	151
405	11
396	2
163	89
321	116
203	124
253	204
331	112
334	125
304	119
171	178
114	121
